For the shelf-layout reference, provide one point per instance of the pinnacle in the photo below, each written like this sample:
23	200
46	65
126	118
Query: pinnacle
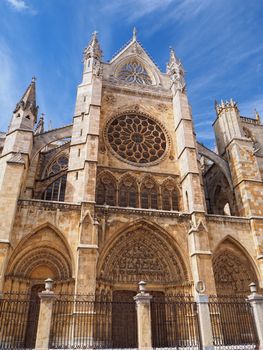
28	100
93	49
134	34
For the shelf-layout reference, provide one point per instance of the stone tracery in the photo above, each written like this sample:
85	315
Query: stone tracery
137	139
233	272
134	72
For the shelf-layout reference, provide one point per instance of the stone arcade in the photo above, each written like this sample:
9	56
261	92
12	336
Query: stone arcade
126	193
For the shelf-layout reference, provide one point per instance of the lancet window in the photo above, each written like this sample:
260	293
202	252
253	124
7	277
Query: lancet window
58	165
56	191
106	191
128	193
149	195
170	200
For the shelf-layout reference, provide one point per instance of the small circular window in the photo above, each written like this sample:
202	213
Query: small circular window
137	139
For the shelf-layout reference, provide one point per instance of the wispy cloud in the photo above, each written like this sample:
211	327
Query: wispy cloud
176	10
18	5
135	9
21	6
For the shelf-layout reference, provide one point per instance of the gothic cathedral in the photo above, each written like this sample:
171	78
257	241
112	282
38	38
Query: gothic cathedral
126	193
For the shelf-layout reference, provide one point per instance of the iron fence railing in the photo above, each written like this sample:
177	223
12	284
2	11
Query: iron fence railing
87	322
232	322
18	321
175	323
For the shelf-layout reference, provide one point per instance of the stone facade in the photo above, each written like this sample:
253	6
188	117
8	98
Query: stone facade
126	193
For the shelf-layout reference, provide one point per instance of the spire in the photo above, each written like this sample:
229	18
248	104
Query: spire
93	50
134	34
28	100
257	117
176	71
40	125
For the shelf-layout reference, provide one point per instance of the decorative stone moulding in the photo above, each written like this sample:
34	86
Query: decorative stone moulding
137	138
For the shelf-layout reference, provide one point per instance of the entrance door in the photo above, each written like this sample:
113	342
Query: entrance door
124	320
32	318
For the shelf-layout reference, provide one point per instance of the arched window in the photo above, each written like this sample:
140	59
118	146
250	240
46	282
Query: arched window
106	191
57	165
175	200
56	191
128	193
170	199
149	195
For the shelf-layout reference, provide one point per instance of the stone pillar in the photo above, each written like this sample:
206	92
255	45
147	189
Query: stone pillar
143	307
256	301
204	322
44	320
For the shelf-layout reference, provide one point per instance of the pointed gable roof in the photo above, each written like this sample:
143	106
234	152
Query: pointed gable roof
133	46
28	100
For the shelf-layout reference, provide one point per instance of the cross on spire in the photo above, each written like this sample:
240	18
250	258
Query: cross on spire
134	34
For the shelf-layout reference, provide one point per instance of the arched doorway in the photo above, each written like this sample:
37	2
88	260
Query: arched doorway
39	256
233	270
142	252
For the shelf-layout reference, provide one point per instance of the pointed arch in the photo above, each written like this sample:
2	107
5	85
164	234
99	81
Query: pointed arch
45	250
142	251
149	193
106	189
233	267
128	191
170	195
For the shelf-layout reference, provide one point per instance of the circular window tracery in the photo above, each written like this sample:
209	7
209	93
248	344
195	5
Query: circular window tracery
137	139
134	72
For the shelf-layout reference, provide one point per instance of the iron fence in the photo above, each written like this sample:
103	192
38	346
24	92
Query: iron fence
232	322
175	322
18	321
88	322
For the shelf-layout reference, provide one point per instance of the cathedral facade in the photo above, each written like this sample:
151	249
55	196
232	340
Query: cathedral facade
126	193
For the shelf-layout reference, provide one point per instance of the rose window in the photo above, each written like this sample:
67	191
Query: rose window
134	72
137	139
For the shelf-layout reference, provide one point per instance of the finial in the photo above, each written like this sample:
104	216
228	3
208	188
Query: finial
257	115
134	34
42	116
33	80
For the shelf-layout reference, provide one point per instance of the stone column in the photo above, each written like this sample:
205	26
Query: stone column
44	320
143	307
204	322
256	301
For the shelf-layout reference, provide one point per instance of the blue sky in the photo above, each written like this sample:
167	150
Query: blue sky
220	43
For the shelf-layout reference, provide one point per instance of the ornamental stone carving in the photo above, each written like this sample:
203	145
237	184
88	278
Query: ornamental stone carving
141	254
233	274
137	139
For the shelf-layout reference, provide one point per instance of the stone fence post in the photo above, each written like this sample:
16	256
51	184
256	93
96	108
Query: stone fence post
44	320
143	308
256	301
204	322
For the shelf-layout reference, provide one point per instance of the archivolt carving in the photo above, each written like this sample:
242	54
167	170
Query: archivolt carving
233	273
43	256
43	248
141	254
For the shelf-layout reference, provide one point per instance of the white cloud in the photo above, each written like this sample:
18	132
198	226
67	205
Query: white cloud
18	5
